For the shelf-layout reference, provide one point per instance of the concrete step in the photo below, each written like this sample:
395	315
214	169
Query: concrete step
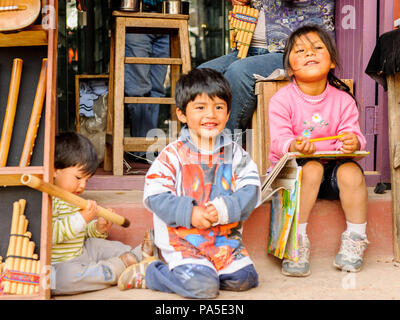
325	226
378	279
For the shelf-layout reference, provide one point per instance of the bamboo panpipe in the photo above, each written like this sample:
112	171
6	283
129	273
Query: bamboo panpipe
8	123
20	247
38	184
242	24
35	117
251	26
243	27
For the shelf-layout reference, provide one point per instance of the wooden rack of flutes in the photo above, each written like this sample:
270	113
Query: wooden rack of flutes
242	23
21	269
8	123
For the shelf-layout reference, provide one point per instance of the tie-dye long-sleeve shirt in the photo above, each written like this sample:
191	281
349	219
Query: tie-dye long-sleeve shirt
181	177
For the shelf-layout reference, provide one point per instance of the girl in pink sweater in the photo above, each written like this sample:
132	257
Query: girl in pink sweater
317	104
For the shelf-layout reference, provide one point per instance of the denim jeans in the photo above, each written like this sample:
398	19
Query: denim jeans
145	80
239	73
198	281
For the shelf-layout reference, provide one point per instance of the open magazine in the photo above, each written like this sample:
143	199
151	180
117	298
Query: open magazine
282	187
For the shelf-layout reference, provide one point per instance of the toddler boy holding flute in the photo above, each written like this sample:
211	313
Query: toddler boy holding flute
82	259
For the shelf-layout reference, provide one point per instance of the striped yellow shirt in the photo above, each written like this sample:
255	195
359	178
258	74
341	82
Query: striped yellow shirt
70	231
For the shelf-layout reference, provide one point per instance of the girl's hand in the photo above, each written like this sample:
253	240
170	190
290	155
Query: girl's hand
350	142
302	145
240	2
90	212
103	225
200	218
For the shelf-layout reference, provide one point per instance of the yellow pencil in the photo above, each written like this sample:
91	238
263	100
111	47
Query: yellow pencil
324	138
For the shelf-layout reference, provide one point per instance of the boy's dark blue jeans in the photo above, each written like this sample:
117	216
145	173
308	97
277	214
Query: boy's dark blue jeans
198	281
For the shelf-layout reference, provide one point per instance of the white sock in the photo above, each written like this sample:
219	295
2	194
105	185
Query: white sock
359	228
302	228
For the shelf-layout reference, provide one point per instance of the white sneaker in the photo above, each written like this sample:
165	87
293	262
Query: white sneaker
350	256
301	267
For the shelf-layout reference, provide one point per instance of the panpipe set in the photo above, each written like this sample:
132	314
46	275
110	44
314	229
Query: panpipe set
21	269
242	23
11	108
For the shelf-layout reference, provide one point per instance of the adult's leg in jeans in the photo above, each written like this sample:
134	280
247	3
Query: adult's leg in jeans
189	280
137	81
241	280
241	79
160	49
222	63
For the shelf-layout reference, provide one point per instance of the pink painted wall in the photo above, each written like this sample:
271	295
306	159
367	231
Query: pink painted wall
357	27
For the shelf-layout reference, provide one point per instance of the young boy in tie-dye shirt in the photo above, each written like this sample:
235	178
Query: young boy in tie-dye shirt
200	189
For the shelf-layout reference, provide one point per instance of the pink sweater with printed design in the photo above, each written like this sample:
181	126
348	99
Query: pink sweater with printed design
293	113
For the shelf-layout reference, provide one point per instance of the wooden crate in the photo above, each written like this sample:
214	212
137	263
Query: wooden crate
31	45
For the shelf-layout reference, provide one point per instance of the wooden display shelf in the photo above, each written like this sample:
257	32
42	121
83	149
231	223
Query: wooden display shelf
31	45
35	36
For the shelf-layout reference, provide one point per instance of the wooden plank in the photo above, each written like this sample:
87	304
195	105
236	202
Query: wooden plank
48	158
184	45
394	138
149	100
143	143
24	38
155	15
118	126
140	60
154	23
108	151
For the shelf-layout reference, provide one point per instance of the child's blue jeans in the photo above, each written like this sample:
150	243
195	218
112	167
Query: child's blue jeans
198	281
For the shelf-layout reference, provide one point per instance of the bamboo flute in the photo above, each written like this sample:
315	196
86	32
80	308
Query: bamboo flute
53	190
9	118
35	117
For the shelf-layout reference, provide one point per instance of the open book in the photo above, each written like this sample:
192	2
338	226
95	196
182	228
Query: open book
288	161
282	186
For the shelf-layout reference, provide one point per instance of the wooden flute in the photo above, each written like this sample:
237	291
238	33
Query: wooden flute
10	111
35	117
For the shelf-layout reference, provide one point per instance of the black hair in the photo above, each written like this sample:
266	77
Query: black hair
331	47
199	81
73	149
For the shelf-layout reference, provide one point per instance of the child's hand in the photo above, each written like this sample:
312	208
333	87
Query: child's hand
90	212
212	213
200	218
302	145
350	142
103	225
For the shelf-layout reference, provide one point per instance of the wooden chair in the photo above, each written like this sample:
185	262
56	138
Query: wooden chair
176	25
264	90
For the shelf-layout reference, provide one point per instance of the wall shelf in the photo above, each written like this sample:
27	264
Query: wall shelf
31	45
